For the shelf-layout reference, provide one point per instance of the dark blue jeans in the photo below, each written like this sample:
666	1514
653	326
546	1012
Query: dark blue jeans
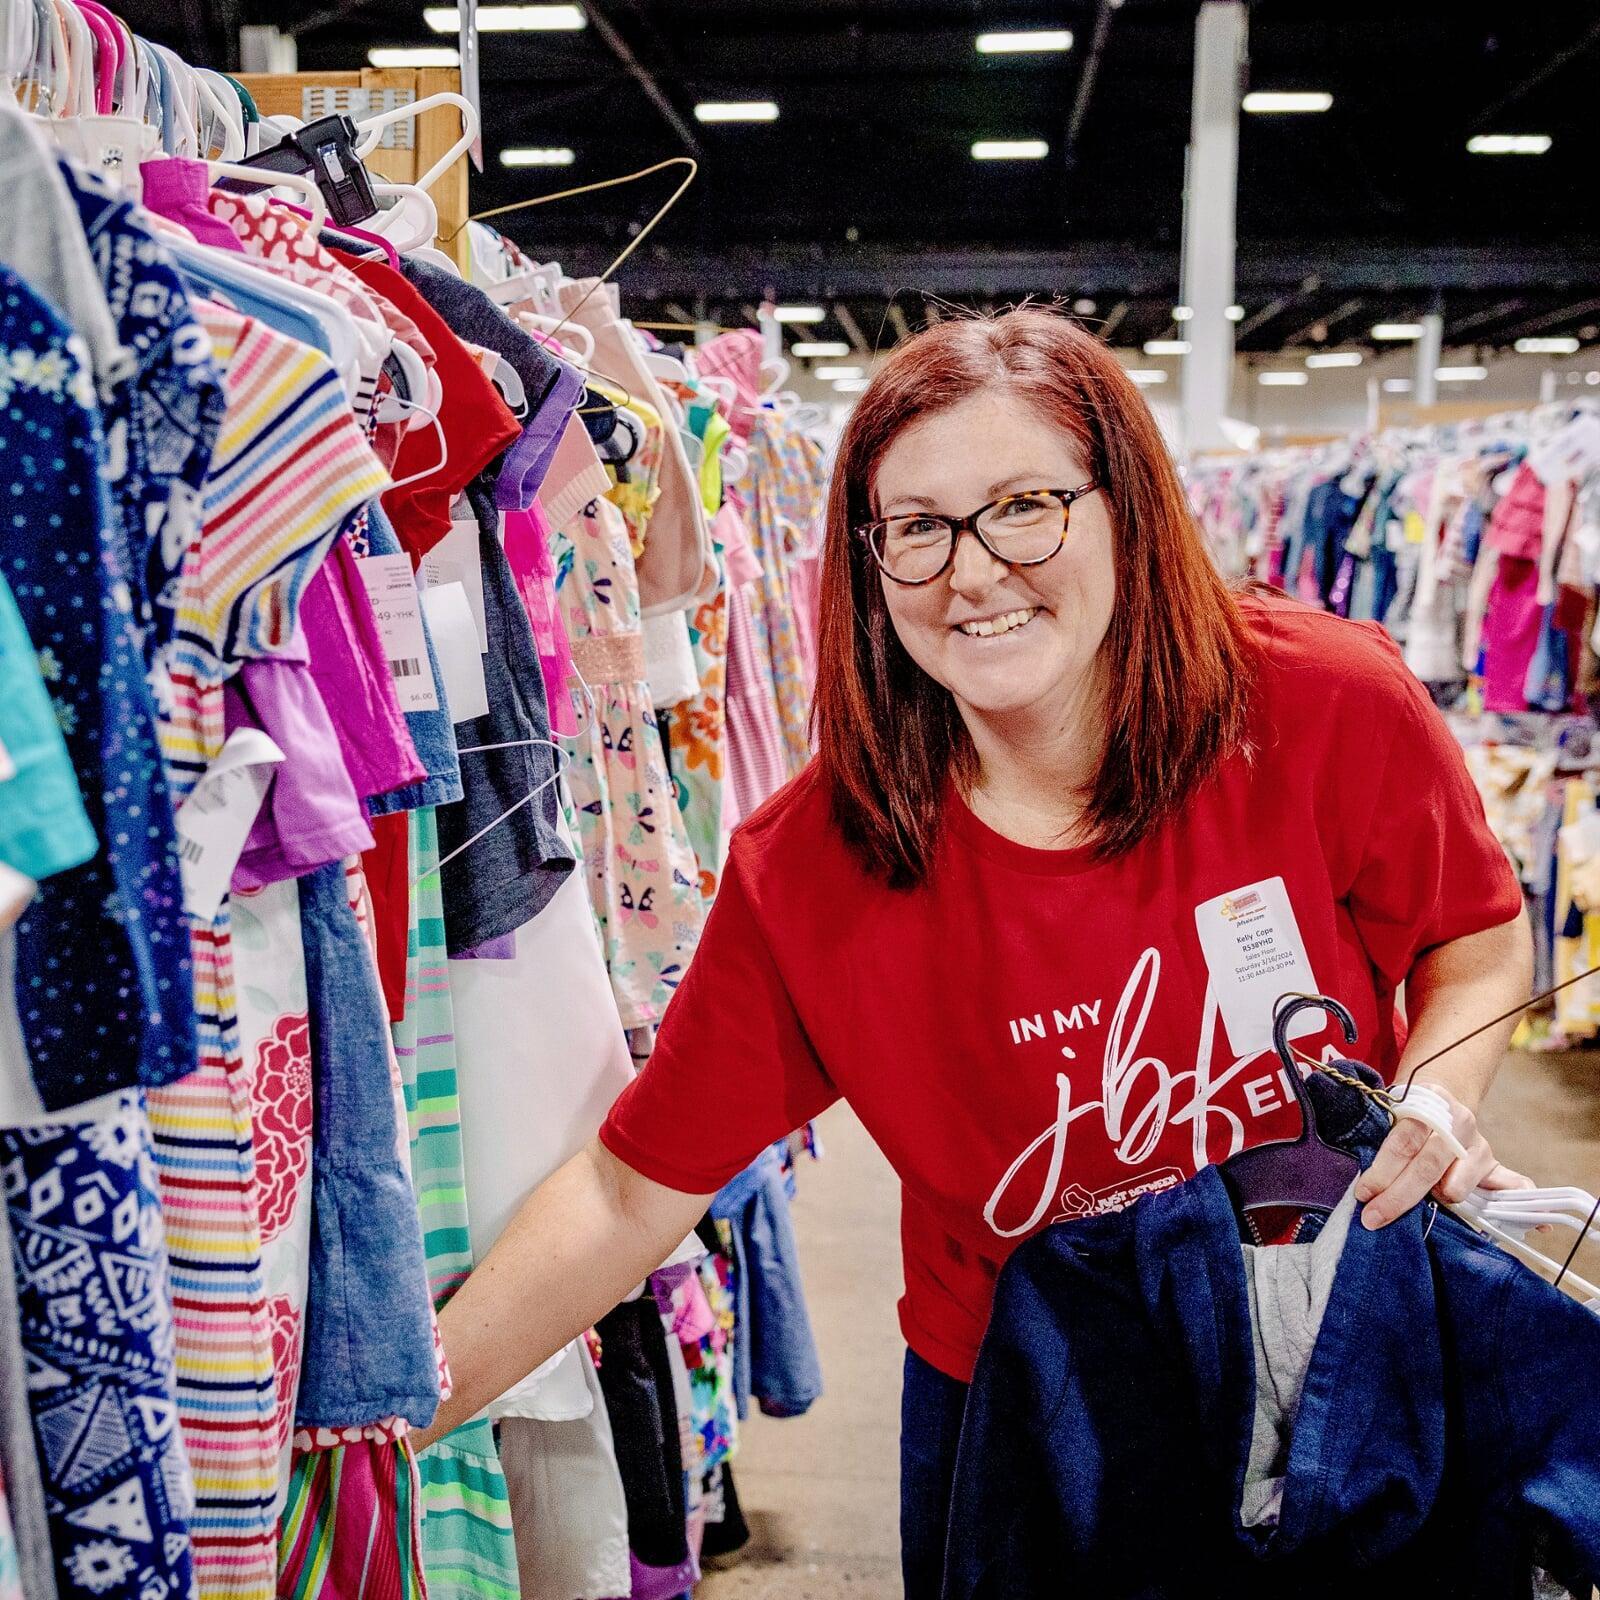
931	1405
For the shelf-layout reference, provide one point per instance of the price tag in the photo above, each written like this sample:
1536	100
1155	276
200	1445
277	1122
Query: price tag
455	559
1255	954
8	767
455	642
393	592
215	820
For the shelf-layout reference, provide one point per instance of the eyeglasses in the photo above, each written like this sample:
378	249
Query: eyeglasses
1021	530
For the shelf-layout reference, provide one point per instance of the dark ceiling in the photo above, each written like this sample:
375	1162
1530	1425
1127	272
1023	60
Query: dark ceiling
863	194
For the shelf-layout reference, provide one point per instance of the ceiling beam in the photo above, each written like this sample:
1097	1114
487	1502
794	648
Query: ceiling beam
852	328
1326	322
897	321
1265	267
1478	319
646	80
1551	319
1104	12
1113	321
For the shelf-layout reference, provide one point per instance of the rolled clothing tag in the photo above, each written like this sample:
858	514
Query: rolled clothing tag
215	820
1255	955
8	767
455	643
398	609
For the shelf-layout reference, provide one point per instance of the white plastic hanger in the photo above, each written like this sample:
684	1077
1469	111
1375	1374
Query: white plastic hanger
1508	1226
261	179
412	223
575	339
371	130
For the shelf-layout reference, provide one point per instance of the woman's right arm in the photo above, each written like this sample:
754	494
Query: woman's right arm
588	1235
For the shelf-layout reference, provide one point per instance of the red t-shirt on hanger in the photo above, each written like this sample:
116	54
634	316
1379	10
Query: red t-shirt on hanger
1033	1035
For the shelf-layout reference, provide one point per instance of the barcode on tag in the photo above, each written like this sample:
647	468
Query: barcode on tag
410	667
191	850
398	613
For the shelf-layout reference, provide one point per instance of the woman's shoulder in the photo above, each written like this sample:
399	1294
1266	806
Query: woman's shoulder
1324	668
795	827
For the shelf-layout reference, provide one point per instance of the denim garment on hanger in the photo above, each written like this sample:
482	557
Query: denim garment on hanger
1446	1427
369	1350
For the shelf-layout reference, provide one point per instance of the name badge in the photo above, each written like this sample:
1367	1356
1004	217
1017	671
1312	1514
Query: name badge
1255	955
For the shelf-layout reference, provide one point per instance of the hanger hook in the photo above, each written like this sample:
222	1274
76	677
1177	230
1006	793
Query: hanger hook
1289	1007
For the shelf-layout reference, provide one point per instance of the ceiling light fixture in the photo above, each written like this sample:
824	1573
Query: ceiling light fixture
736	111
1270	101
829	373
1183	313
1591	377
1397	330
798	314
1282	380
1509	144
1234	313
819	349
1334	358
1166	347
1146	376
1397	386
1084	307
529	156
509	19
1564	346
1010	150
1004	44
1460	374
426	55
850	386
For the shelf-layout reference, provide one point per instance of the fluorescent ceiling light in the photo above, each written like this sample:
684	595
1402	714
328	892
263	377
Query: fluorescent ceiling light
1234	313
1267	101
1166	347
1397	330
1509	144
1084	308
1397	386
509	19
427	55
736	111
1183	313
1001	44
1334	358
1460	374
1282	380
839	372
528	156
1591	377
1145	376
798	313
1547	347
850	386
1010	150
815	349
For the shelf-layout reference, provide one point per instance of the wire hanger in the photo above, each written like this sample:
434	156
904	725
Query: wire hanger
563	760
593	188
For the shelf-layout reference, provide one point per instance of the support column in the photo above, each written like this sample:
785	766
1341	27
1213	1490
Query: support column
1424	386
1210	197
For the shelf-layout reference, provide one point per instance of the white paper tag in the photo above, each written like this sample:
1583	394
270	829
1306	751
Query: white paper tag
8	767
455	642
455	559
1255	955
393	592
215	820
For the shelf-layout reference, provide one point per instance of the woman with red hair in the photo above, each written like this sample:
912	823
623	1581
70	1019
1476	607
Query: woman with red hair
1079	815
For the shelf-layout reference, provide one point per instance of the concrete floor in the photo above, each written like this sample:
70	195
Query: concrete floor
820	1491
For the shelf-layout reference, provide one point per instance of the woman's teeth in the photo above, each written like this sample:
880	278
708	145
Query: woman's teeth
990	626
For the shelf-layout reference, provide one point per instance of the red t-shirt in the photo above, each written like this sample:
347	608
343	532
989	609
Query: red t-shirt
1031	1035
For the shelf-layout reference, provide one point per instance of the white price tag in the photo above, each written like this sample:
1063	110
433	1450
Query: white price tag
455	559
215	820
393	592
455	642
8	767
1255	954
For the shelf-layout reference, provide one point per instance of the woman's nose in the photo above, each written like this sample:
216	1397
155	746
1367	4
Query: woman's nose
974	569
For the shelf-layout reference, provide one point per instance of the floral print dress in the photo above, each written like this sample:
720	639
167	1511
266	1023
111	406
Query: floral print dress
641	869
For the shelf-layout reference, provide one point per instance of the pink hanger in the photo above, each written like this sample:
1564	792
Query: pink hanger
353	232
108	57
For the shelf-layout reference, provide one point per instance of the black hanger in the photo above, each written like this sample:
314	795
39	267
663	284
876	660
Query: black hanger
1306	1173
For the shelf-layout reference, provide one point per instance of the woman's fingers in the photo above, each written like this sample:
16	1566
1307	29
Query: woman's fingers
1467	1172
1413	1159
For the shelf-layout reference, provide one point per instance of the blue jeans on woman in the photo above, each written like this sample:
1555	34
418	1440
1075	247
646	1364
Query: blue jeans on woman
931	1406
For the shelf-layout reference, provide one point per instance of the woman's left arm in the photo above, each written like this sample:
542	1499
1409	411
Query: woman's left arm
1451	990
